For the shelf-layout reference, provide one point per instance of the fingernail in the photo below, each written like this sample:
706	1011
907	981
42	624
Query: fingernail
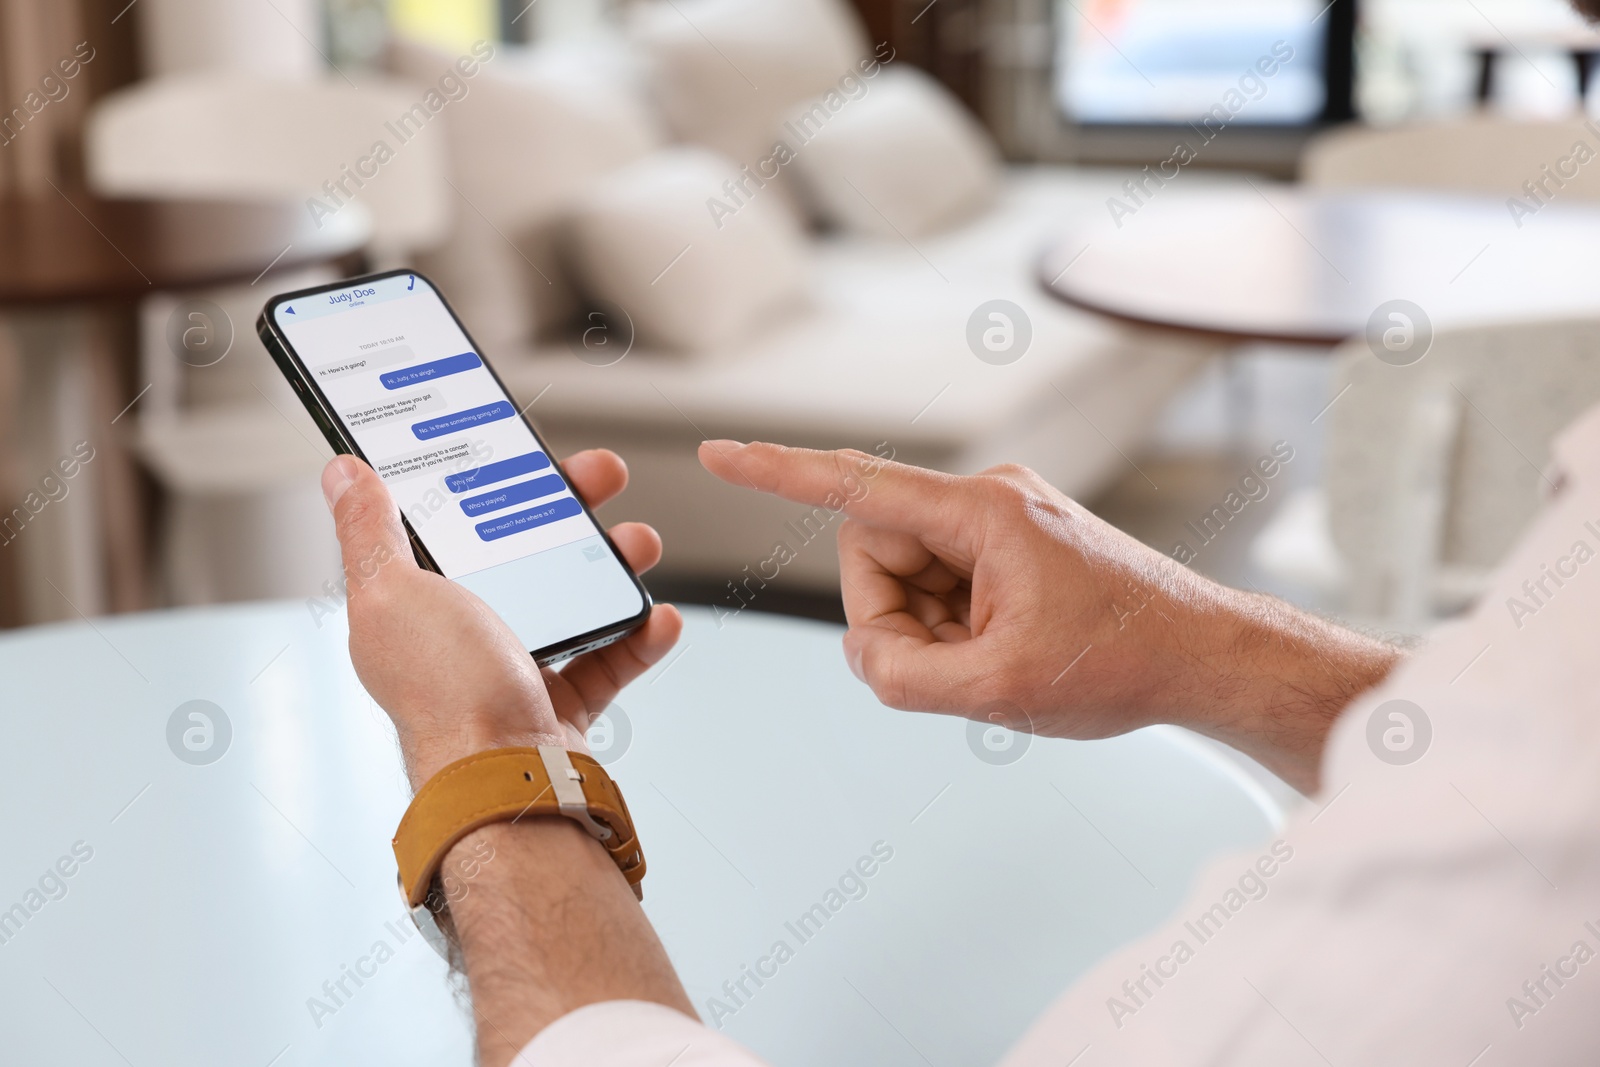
852	657
722	445
336	478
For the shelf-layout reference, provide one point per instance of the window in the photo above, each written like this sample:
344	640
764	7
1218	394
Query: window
1422	59
453	25
1170	62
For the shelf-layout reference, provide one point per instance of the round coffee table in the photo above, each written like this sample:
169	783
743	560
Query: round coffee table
232	872
69	246
72	266
1260	262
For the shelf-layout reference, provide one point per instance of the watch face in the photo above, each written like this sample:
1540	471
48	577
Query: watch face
424	920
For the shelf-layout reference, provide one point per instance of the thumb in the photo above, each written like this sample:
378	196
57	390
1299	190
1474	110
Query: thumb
365	519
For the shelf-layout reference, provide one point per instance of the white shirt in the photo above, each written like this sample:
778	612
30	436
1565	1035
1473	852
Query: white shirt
1444	911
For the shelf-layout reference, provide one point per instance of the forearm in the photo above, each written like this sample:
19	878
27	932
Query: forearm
1269	680
547	926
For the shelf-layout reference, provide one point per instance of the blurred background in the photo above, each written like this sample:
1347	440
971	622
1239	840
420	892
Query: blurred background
597	186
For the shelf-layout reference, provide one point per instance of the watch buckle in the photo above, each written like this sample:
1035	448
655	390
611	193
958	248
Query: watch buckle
565	783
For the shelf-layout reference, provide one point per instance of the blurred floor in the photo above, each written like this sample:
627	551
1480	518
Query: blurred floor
1209	438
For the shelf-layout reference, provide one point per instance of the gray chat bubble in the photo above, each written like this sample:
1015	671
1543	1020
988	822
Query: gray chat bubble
400	407
444	458
376	359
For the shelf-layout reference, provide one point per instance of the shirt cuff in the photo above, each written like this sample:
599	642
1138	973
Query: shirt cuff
631	1033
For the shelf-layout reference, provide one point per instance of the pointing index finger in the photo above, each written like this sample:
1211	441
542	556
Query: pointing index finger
871	489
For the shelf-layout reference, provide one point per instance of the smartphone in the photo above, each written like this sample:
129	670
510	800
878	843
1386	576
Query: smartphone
391	375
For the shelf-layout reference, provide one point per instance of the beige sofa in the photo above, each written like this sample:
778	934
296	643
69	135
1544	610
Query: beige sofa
875	352
880	358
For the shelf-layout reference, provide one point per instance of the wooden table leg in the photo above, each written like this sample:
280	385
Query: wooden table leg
11	478
52	522
124	491
76	544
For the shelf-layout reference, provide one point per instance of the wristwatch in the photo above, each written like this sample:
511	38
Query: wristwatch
506	785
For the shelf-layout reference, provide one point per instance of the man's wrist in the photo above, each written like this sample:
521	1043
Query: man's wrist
427	756
1270	680
548	926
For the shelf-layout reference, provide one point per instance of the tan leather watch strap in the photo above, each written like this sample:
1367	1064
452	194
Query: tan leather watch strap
505	785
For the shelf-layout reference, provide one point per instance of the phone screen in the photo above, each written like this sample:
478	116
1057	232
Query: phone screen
476	485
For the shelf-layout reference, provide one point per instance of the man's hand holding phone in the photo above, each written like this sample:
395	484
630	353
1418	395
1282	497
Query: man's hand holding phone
446	668
390	376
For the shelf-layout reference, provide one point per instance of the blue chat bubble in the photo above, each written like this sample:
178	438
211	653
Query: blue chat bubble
511	495
490	473
426	372
543	515
463	420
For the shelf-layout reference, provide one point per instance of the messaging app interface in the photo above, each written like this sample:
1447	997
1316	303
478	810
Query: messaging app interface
457	457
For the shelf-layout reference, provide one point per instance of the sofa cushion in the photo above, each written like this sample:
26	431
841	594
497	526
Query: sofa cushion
866	167
688	278
884	332
726	72
880	355
535	128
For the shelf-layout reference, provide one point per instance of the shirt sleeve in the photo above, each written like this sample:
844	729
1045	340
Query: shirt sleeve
632	1033
1436	902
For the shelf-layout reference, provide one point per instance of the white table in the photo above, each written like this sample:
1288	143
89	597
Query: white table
219	898
1285	264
